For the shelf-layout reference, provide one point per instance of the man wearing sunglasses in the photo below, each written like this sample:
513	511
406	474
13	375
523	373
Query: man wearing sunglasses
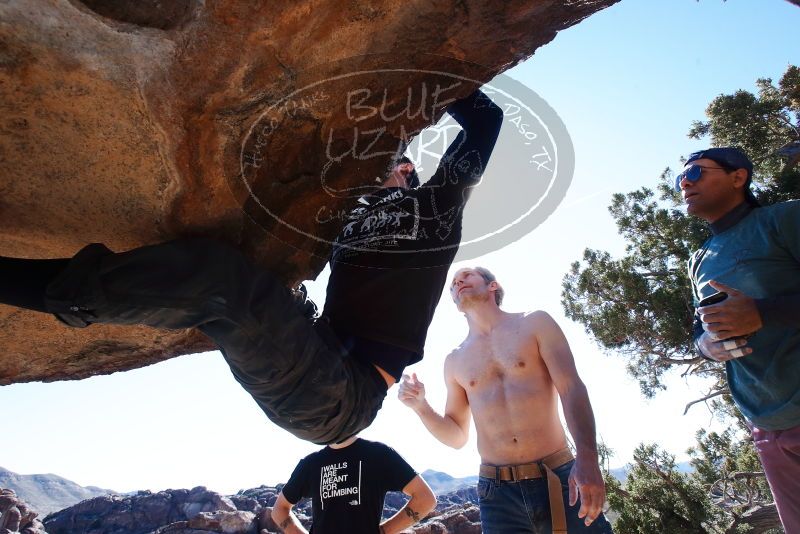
750	268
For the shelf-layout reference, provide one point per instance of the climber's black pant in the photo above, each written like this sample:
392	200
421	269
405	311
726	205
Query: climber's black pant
293	366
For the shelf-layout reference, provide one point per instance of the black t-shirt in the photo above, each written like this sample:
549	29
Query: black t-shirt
390	260
347	486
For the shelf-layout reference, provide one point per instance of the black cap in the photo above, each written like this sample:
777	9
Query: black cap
731	158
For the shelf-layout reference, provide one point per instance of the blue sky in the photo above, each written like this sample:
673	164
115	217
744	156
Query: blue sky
627	82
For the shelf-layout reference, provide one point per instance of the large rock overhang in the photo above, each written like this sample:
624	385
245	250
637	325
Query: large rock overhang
131	122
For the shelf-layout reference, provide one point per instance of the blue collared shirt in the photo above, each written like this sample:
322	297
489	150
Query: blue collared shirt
757	251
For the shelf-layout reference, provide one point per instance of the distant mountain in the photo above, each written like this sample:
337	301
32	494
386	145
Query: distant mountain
47	493
443	483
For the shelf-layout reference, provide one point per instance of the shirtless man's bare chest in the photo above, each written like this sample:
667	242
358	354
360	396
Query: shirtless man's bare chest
510	392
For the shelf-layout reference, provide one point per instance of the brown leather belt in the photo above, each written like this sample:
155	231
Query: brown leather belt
541	469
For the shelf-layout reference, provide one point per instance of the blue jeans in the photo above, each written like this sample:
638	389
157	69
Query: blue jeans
523	507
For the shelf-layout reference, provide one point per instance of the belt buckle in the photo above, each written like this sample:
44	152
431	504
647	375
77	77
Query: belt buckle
514	473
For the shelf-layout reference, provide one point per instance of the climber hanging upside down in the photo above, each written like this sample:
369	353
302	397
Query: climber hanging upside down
321	378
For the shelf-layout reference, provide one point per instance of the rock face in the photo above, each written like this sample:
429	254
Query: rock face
141	513
131	122
464	519
17	516
248	512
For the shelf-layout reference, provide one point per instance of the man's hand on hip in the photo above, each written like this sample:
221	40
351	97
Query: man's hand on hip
412	392
736	316
586	480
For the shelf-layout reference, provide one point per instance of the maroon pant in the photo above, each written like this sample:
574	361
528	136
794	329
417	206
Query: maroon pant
779	451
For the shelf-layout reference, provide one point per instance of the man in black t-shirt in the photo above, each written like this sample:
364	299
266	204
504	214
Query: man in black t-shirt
347	483
322	380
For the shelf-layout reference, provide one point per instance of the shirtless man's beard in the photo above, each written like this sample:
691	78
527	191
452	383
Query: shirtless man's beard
473	300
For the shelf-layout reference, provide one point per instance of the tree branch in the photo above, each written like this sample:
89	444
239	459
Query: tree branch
680	361
709	396
760	519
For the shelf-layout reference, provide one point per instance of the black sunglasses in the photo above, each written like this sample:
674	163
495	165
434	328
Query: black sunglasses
693	173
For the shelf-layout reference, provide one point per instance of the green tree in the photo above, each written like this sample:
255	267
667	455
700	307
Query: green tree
641	304
765	125
657	497
726	492
640	307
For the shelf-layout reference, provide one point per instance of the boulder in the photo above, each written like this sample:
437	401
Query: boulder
17	516
144	512
463	519
225	522
131	122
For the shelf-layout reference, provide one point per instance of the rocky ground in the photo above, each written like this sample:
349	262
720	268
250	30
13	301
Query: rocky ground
200	511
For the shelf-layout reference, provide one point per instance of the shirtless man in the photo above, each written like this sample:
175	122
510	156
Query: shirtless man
509	372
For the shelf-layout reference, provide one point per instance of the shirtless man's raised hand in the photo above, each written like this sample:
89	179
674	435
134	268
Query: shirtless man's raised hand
509	373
